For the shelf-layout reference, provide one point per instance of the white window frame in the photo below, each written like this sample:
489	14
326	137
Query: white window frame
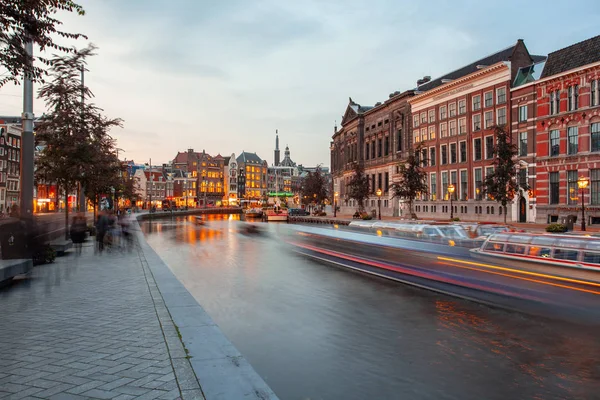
443	112
485	147
460	184
466	152
523	114
491	93
450	114
444	129
485	120
431	116
498	116
477	96
431	130
473	127
423	134
415	121
423	117
464	102
433	177
498	91
450	124
462	122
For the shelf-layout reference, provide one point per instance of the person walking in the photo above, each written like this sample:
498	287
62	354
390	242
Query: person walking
78	228
101	228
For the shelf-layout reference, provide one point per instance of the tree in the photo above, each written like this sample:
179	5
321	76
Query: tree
413	179
501	185
314	186
74	131
24	21
358	188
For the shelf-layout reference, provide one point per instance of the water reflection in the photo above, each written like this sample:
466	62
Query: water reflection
319	332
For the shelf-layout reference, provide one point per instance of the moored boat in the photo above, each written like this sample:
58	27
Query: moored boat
254	212
275	214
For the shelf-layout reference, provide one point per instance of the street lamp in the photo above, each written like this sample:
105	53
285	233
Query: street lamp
379	201
582	182
451	192
335	196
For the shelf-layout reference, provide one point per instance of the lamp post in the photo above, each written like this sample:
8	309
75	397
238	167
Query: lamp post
582	182
379	201
451	192
335	196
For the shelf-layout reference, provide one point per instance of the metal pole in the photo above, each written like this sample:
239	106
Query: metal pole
81	197
27	144
150	206
379	203
582	211
334	207
451	207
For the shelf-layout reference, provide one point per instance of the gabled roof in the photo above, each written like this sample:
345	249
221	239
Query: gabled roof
227	160
500	56
246	157
574	56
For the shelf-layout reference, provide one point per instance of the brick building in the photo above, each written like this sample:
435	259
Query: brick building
568	132
378	137
252	177
453	118
208	174
10	165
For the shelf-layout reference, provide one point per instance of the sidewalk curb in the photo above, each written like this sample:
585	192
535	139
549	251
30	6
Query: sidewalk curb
207	365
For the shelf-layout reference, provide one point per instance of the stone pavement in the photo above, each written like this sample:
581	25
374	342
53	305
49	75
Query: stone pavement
91	327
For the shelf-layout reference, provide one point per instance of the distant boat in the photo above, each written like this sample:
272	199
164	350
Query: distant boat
200	220
254	213
276	214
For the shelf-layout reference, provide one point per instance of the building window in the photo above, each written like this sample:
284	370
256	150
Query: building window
554	143
452	153
476	122
552	110
387	145
477	149
387	182
424	157
573	97
572	187
463	185
366	151
454	181
445	185
595	186
423	118
489	171
489	119
476	102
523	177
595	132
444	154
443	129
523	144
442	112
573	140
522	113
379	181
399	140
557	102
432	156
452	109
462	107
379	147
415	121
431	116
489	99
501	116
416	136
453	128
433	190
462	126
431	132
489	147
463	152
501	95
594	93
423	134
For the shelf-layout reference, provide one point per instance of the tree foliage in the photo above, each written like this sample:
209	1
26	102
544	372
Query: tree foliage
413	179
501	185
358	188
24	21
314	187
77	147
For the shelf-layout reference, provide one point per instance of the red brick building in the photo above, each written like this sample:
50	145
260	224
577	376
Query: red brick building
207	173
453	119
568	132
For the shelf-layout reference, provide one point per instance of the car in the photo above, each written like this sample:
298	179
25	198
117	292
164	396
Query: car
297	211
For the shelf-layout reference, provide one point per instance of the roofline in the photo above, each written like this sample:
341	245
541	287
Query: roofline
567	72
456	82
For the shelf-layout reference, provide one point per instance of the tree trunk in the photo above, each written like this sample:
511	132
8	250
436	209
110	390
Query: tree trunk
57	202
66	212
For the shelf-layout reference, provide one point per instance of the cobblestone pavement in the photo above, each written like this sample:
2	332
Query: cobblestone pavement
91	327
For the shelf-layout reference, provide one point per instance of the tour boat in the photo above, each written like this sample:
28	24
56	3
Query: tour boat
275	214
254	212
549	249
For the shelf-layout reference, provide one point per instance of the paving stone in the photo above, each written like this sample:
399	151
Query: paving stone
100	394
85	387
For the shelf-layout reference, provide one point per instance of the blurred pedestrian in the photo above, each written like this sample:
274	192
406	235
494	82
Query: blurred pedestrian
101	229
78	228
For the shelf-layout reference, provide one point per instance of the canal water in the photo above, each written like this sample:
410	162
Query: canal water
315	331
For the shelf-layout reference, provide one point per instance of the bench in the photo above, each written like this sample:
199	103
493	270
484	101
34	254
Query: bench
11	268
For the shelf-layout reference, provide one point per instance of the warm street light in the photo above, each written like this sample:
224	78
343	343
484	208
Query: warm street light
335	196
451	192
582	182
379	201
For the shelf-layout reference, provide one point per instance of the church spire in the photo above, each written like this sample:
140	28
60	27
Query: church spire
276	155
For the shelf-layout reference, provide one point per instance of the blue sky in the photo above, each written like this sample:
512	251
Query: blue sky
223	75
